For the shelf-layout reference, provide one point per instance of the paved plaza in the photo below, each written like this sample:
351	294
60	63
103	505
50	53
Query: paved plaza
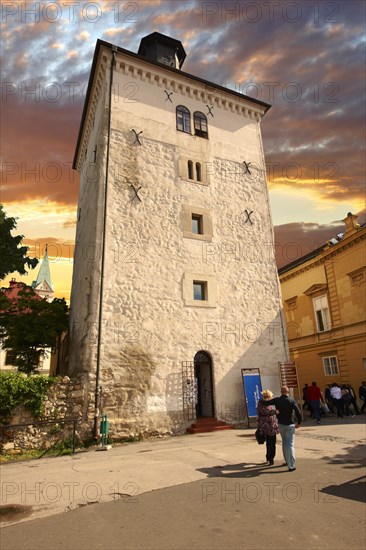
204	491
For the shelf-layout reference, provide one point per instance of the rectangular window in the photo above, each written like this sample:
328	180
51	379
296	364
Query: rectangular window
199	290
197	225
10	357
330	365
322	313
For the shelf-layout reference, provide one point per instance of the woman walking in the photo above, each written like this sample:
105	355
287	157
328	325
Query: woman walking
268	425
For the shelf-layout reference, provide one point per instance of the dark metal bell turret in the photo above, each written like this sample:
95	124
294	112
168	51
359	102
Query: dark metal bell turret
164	49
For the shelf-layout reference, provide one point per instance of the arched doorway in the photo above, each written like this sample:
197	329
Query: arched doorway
203	374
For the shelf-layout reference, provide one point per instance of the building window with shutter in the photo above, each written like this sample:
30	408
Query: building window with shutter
183	119
200	124
322	316
330	365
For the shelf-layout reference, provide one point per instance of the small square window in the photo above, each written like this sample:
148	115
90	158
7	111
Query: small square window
199	290
197	224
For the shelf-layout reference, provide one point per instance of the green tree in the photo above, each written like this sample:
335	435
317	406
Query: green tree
13	257
29	326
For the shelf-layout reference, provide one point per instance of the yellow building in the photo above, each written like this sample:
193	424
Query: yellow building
324	297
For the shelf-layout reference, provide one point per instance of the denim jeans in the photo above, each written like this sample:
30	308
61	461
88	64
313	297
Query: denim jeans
315	409
288	444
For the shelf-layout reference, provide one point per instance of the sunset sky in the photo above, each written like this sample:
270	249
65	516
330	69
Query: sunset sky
306	58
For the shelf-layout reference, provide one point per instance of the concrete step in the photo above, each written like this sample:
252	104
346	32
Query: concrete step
203	425
209	428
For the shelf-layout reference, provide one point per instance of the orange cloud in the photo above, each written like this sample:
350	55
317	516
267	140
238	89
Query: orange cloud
72	54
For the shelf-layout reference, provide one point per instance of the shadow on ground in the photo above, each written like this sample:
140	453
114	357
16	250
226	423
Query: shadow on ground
244	470
352	490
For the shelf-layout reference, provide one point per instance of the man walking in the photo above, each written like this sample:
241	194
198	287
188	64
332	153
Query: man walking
353	398
305	397
336	394
329	398
285	407
362	395
315	396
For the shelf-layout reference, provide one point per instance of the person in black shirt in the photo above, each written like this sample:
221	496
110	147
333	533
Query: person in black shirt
362	395
353	399
305	397
285	407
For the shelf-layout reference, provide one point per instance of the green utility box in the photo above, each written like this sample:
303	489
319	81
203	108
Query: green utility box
104	425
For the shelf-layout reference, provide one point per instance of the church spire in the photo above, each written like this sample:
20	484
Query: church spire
43	284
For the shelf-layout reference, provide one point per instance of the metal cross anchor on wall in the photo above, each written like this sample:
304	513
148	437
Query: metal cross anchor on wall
248	216
246	166
168	96
137	140
209	110
136	192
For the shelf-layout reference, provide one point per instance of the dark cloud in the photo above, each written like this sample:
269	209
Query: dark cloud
305	58
38	151
294	240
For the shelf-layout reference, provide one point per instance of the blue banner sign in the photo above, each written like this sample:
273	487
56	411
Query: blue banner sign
252	390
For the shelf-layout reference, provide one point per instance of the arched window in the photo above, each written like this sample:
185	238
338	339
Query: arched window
190	170
200	124
183	119
198	171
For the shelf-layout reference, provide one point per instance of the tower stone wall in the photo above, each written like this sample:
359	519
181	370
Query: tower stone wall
151	321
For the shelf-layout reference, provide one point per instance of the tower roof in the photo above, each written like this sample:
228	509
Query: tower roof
44	272
156	46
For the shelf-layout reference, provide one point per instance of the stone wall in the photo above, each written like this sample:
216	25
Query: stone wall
66	399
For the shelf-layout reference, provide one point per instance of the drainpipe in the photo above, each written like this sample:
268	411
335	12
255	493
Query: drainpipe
100	320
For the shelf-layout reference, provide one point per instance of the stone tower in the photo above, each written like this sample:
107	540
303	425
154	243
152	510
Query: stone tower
175	286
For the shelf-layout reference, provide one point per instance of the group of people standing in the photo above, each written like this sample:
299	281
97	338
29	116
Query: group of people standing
337	398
